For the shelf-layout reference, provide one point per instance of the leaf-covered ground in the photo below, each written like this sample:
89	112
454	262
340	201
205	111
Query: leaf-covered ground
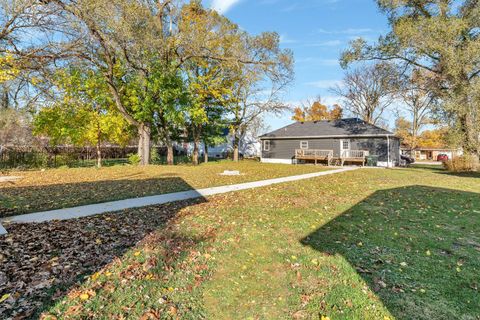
62	188
367	244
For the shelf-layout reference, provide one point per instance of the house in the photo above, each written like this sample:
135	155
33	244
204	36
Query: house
249	146
345	141
432	154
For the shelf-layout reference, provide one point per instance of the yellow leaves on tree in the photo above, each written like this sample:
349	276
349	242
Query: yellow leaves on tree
433	138
316	112
8	69
427	139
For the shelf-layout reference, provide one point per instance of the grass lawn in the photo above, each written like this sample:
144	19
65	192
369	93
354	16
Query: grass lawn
366	244
62	188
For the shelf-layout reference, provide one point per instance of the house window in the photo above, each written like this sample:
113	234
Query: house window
303	144
345	144
266	145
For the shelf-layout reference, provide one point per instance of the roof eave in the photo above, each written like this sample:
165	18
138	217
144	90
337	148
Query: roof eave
377	135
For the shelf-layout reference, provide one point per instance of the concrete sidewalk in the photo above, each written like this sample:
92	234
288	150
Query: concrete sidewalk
94	209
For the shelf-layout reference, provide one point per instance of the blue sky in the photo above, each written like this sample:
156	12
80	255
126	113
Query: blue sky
316	30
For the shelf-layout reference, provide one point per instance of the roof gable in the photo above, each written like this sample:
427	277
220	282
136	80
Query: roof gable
325	128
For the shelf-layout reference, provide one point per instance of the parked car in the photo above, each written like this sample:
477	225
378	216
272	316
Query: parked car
407	159
442	157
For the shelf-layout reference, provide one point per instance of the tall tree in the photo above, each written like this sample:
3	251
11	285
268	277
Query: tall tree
259	85
207	76
441	38
207	97
368	90
124	40
170	106
419	104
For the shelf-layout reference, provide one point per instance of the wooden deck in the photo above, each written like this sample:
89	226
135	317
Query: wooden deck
355	156
315	155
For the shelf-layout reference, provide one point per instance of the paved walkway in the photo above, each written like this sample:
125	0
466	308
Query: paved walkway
430	163
94	209
9	178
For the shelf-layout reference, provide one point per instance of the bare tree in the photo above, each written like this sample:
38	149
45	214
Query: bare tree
369	90
418	104
30	37
14	128
248	111
259	88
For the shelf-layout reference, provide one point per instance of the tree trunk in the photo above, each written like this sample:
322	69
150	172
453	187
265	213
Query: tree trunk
144	144
205	154
5	99
470	142
99	155
99	141
196	142
169	151
195	152
235	148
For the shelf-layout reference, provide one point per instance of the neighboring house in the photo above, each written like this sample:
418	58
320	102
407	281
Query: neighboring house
249	147
337	142
433	153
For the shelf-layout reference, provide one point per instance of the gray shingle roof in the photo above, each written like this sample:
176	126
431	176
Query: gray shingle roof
336	128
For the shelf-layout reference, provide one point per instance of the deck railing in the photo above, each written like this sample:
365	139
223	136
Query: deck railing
313	153
354	154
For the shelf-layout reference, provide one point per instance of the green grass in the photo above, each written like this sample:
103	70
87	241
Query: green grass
61	188
367	244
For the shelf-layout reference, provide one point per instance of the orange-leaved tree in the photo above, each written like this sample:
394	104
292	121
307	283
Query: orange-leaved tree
316	111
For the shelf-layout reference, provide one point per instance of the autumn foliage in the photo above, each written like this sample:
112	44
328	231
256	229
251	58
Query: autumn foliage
435	138
316	112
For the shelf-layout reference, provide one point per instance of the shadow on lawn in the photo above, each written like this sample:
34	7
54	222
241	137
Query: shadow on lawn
40	263
462	174
417	247
19	200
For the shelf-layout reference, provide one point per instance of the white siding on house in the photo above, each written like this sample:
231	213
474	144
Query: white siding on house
249	147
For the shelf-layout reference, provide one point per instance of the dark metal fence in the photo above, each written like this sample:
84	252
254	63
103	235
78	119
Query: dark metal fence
54	157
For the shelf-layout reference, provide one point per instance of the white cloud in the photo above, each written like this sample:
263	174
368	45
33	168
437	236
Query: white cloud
330	43
350	31
325	84
284	39
222	6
